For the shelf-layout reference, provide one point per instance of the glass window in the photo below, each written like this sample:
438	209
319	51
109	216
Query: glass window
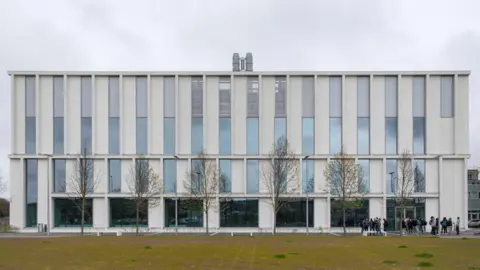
308	175
225	136
141	85
224	94
308	136
169	96
197	96
418	96
419	135
252	97
123	213
90	174
115	175
67	213
58	99
447	96
364	166
414	208
226	176
59	175
190	213
353	216
363	96
169	136
390	96
87	135
280	129
30	97
170	175
280	96
419	175
30	135
335	135
391	135
58	135
113	97
363	136
253	176
239	212
252	136
391	177
335	98
308	97
197	135
86	92
142	135
31	186
293	213
197	175
114	135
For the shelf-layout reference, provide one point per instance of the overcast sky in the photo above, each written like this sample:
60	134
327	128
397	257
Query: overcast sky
202	34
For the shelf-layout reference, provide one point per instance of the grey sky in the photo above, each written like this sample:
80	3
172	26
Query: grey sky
201	35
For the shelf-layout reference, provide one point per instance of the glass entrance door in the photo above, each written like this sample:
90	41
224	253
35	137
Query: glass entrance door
407	212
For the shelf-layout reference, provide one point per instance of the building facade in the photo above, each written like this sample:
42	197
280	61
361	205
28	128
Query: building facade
473	195
234	117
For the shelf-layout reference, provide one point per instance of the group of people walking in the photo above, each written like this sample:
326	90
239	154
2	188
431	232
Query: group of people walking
445	226
413	226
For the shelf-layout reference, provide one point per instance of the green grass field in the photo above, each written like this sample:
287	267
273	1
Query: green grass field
239	252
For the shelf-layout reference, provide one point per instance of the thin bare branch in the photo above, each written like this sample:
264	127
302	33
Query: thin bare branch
404	180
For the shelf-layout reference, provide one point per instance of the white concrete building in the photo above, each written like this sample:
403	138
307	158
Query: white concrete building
235	117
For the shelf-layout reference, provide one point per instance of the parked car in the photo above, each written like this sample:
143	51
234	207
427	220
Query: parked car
474	223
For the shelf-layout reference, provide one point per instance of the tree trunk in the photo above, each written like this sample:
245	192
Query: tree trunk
274	225
344	222
137	218
206	216
83	217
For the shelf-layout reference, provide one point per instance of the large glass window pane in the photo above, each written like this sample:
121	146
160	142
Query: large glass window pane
90	175
391	176
252	136
115	175
197	135
169	136
113	97
224	94
363	136
363	96
30	97
280	96
141	96
190	213
67	213
169	96
308	175
239	212
30	135
308	97
280	128
391	96
391	135
293	213
418	96
197	175
353	217
86	135
364	165
170	175
86	93
335	97
31	186
252	97
142	135
225	136
59	175
226	176
308	136
58	135
335	135
58	99
197	96
123	213
114	135
412	208
419	175
253	176
447	96
419	135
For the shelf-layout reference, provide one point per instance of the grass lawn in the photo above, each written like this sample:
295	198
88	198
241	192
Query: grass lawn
239	252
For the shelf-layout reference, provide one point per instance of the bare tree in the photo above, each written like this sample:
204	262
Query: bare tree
3	185
404	181
204	182
280	176
343	178
145	188
81	185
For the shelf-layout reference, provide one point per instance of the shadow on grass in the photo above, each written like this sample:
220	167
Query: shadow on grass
424	264
280	256
473	268
402	246
424	255
147	247
390	262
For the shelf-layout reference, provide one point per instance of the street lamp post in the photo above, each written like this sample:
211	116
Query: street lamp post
306	191
48	191
392	185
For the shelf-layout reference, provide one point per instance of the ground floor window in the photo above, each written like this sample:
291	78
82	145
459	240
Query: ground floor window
31	215
414	208
123	213
189	212
238	212
293	213
354	215
67	213
473	214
